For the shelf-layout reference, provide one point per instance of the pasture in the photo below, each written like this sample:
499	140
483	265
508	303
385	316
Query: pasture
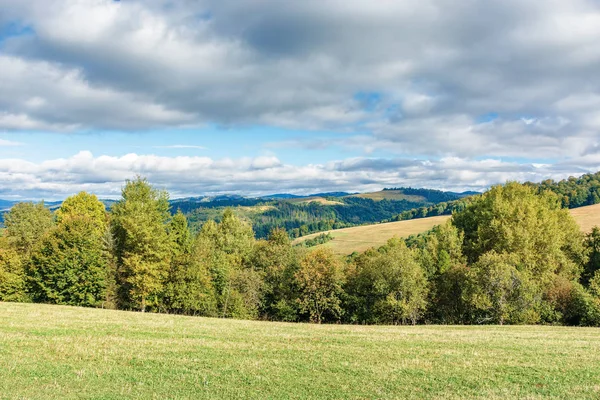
58	352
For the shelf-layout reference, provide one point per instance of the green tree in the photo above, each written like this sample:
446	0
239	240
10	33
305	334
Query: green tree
26	223
84	204
320	280
188	287
278	262
12	274
139	222
228	247
387	286
592	243
69	266
501	292
514	219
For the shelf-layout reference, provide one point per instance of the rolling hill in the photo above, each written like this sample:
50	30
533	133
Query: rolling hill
360	238
59	352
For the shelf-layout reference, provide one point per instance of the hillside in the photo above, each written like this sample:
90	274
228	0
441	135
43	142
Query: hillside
359	238
57	352
301	215
587	217
390	195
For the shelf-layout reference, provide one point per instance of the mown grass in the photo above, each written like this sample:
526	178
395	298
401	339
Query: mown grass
55	352
360	238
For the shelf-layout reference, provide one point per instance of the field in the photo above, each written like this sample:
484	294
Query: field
56	352
360	238
587	217
390	195
320	200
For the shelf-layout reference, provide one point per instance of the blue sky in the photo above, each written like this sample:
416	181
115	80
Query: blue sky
259	97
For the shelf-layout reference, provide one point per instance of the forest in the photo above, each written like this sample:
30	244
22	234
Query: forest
300	218
510	256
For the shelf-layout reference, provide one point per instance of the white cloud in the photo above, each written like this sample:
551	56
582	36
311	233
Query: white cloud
185	176
181	146
9	143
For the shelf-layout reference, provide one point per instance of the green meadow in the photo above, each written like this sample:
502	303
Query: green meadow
58	352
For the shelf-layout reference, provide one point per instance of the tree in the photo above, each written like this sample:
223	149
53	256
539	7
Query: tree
320	279
534	228
228	247
141	242
500	291
84	204
592	243
26	223
188	287
278	262
69	266
12	274
388	286
442	258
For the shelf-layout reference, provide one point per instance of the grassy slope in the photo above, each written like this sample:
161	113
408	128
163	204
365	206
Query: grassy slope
360	238
587	217
389	195
56	352
320	200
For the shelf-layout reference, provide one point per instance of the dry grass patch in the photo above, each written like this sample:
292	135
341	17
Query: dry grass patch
587	217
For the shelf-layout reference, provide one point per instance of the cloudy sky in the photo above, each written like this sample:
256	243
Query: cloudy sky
268	96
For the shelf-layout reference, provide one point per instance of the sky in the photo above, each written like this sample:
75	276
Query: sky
268	96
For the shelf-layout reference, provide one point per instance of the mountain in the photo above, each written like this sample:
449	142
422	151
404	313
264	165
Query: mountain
280	196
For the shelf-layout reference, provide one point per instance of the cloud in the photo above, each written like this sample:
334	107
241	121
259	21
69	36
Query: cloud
188	176
9	143
436	68
181	146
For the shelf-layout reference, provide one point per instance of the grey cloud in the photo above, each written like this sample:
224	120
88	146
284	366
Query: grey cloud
437	66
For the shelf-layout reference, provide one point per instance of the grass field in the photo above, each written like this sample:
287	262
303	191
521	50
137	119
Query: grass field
360	238
587	217
56	352
389	195
320	200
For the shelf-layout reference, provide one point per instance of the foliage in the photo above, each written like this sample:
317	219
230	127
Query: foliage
188	287
26	223
69	266
317	240
574	192
320	279
513	219
500	291
509	256
84	204
387	286
141	242
592	243
12	274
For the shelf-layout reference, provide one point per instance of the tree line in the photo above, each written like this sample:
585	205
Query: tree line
572	193
513	255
